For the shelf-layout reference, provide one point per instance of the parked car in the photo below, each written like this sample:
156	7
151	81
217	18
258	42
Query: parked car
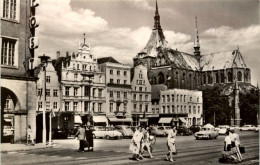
59	134
106	133
257	128
247	128
207	132
125	130
234	127
218	127
133	128
183	130
165	129
155	131
223	129
195	128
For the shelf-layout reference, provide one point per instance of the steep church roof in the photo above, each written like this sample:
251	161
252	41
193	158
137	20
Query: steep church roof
222	60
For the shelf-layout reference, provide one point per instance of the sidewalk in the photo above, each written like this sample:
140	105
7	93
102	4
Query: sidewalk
8	147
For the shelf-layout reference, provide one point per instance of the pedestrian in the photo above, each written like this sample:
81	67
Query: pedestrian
171	144
146	146
30	136
135	144
81	134
228	155
235	142
89	137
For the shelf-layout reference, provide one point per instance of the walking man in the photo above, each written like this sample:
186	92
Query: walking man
171	143
135	144
81	134
146	142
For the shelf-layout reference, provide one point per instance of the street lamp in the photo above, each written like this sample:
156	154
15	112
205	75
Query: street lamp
44	63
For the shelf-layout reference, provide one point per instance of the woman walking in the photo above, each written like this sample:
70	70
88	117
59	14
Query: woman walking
171	144
135	144
89	137
146	142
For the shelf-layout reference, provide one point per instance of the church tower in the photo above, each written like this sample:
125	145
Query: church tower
157	24
196	41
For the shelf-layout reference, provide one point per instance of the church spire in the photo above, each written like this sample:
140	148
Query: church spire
196	40
157	18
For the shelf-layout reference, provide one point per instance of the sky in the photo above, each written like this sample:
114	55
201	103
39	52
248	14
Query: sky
121	28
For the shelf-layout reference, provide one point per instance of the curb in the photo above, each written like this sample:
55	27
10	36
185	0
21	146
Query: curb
29	149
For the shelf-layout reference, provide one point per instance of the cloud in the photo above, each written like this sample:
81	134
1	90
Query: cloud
143	4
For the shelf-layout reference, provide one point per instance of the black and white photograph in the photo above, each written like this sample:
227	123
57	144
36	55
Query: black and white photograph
120	82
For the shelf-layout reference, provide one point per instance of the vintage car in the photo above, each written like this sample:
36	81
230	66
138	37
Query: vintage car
207	132
165	129
223	129
257	128
125	130
155	131
195	128
183	130
247	128
106	133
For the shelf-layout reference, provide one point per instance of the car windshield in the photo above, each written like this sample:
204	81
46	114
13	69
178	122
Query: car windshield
222	127
161	128
110	129
205	129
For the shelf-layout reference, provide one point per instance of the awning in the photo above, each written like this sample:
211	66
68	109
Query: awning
100	119
182	119
77	119
143	120
165	120
113	119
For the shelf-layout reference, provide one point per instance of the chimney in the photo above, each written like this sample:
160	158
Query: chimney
67	54
57	54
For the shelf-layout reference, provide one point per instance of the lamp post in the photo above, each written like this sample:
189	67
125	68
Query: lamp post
44	63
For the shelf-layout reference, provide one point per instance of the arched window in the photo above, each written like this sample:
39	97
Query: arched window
239	76
209	79
229	77
222	77
246	76
161	78
204	79
216	77
183	76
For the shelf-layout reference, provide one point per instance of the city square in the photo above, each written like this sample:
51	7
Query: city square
178	79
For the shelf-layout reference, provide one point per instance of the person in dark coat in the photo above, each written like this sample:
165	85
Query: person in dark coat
81	134
89	137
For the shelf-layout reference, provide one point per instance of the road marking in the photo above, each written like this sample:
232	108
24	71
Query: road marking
12	152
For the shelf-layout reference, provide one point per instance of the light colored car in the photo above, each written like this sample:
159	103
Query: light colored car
223	129
125	130
257	128
234	127
218	127
165	129
155	131
207	132
107	133
247	128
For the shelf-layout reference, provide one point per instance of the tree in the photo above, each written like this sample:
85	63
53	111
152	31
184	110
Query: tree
213	101
249	103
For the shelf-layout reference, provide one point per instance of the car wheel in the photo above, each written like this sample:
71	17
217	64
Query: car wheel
107	137
197	138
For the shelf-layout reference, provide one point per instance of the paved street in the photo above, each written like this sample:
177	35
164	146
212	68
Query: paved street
190	151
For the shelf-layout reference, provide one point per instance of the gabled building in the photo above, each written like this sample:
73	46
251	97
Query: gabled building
118	88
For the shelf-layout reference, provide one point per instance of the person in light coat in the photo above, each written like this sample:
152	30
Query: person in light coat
171	143
236	143
135	144
81	134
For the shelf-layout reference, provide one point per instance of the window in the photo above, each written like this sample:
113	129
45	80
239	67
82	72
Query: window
134	97
125	81
77	66
67	106
48	79
216	77
198	99
140	107
39	104
191	99
163	109
111	107
111	71
135	107
140	89
75	106
111	94
125	73
84	67
55	92
87	91
118	81
190	109
84	77
125	107
125	95
111	81
222	77
86	106
48	92
39	92
140	82
146	97
99	92
140	75
177	108
7	104
141	97
55	105
194	109
181	109
184	98
145	89
173	109
75	77
146	108
9	52
67	91
10	9
168	98
230	77
198	109
181	98
172	98
48	105
168	109
118	72
185	109
239	76
118	94
75	91
99	107
177	98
